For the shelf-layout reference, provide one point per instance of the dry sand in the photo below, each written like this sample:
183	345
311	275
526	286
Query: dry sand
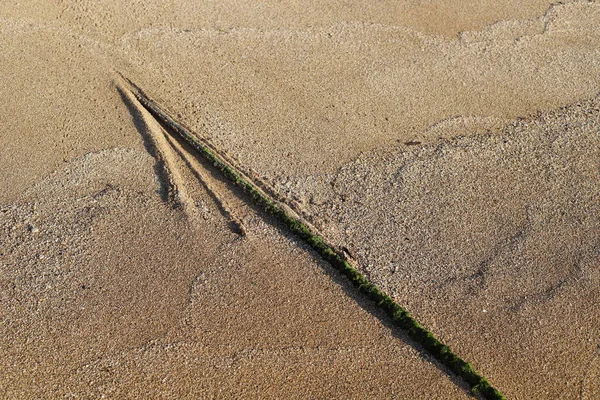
452	150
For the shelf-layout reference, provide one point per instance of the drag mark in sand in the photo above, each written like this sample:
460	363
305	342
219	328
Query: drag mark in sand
218	196
399	316
165	149
169	180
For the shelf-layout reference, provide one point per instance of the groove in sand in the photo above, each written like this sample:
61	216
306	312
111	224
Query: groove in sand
218	195
165	149
299	227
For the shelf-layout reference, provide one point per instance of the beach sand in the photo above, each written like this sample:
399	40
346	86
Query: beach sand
453	151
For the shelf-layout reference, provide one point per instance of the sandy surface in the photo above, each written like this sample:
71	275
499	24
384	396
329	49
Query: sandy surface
452	150
492	241
106	290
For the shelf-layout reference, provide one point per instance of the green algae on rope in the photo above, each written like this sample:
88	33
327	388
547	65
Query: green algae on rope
398	314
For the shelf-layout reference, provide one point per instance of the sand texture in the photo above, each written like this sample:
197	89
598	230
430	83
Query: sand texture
452	150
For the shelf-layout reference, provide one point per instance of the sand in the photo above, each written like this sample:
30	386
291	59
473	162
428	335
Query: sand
452	150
